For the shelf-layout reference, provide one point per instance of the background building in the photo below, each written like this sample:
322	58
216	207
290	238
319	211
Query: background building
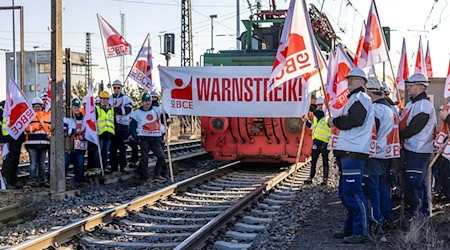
37	70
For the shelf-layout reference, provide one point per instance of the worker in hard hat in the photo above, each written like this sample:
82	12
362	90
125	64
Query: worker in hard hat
105	127
351	143
417	124
122	105
38	142
321	132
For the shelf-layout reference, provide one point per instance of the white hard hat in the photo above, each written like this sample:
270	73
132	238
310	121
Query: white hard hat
37	100
117	82
386	88
319	100
417	78
374	85
358	73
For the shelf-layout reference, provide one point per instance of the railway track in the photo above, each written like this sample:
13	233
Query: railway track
179	151
180	216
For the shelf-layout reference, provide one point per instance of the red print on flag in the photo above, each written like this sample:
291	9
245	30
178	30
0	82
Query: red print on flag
447	84
90	118
429	67
295	55
420	60
18	112
141	71
337	85
359	47
114	44
403	70
183	91
374	47
312	79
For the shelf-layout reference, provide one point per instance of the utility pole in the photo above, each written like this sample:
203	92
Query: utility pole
122	59
238	25
187	54
68	63
57	170
88	60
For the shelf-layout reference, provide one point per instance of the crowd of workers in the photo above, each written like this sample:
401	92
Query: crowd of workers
377	149
117	126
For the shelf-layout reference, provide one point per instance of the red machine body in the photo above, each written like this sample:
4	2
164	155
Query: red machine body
256	139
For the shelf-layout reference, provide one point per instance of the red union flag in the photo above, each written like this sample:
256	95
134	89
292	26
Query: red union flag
403	70
312	79
141	71
429	67
447	84
113	43
48	98
18	112
359	47
337	88
420	61
374	46
90	120
295	55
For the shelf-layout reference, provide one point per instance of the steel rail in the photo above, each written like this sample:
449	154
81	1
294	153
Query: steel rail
65	233
9	212
197	240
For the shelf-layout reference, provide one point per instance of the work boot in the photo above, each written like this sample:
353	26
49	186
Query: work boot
355	239
324	182
341	234
308	181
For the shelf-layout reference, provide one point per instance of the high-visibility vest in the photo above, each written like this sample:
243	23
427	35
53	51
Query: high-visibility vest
321	130
105	120
4	131
39	129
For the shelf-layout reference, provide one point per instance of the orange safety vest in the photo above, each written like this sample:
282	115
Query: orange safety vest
38	130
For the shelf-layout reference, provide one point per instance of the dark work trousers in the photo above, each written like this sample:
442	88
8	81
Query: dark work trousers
92	148
134	151
118	143
319	147
146	144
10	164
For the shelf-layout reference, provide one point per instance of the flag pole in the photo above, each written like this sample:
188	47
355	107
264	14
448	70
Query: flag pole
106	59
302	136
169	157
99	150
389	58
327	105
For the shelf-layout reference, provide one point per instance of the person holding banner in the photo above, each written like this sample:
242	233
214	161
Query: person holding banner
73	129
11	161
105	127
145	128
122	105
352	144
37	143
417	127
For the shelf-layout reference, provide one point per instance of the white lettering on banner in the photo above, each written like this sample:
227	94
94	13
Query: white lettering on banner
80	145
23	119
247	90
140	77
295	63
118	50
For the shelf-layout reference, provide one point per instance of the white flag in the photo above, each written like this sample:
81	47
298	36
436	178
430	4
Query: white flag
113	42
141	71
18	112
420	60
295	55
90	120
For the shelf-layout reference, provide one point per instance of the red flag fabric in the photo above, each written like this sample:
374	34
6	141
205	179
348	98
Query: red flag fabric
359	47
295	55
337	88
18	112
420	61
374	46
312	79
114	44
429	67
141	71
48	98
90	120
403	68
447	84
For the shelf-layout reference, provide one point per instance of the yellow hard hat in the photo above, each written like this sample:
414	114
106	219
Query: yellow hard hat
104	94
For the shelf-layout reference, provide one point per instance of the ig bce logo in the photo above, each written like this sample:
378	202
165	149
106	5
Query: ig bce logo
182	95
